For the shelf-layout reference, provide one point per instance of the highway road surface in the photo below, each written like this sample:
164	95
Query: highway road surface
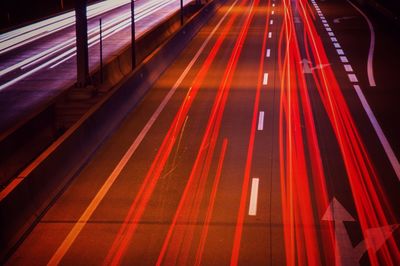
271	140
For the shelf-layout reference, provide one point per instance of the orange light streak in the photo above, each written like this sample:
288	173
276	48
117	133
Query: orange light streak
139	204
202	164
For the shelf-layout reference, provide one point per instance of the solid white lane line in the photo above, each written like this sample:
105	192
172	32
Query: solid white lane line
353	77
261	121
253	197
268	52
370	67
78	226
270	35
265	80
344	59
348	68
382	138
340	51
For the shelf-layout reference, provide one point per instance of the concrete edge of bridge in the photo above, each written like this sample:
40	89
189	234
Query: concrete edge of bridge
29	195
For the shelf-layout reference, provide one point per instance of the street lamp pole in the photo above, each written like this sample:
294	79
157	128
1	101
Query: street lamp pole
82	53
181	12
133	34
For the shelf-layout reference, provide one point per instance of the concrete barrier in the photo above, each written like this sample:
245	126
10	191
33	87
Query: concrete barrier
27	197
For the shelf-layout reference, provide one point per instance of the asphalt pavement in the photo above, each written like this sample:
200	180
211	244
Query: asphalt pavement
265	143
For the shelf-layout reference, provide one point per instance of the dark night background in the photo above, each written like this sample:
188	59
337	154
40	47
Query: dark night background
14	13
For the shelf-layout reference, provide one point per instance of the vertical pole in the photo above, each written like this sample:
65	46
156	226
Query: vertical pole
181	12
82	53
101	52
133	35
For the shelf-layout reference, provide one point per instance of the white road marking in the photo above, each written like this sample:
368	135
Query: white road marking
344	59
337	45
265	81
270	35
328	29
273	5
331	34
348	68
345	252
261	121
271	22
268	52
297	20
306	66
340	51
78	226
353	77
370	67
326	25
253	197
272	12
382	138
338	20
